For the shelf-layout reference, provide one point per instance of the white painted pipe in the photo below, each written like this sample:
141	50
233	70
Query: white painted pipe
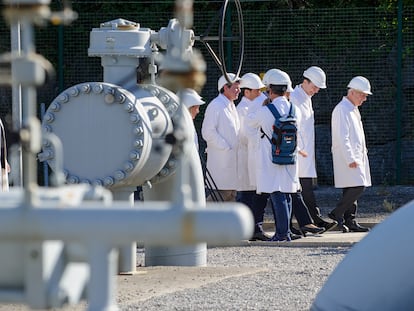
377	274
157	222
12	295
185	186
101	287
127	252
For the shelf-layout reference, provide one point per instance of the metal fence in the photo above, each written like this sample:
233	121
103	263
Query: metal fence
372	42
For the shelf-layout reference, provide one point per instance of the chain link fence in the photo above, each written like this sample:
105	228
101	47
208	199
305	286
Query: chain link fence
344	42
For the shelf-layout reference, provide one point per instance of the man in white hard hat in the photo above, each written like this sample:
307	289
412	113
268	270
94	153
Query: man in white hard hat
277	180
314	79
192	101
349	153
252	100
220	130
278	83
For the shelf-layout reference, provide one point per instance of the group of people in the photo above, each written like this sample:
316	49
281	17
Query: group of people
239	156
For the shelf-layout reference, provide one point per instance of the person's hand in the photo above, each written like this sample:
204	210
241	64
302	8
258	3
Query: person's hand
303	153
8	169
266	101
353	165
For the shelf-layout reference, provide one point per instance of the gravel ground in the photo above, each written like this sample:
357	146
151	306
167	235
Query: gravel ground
271	278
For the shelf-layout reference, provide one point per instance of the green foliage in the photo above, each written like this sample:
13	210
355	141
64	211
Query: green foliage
168	5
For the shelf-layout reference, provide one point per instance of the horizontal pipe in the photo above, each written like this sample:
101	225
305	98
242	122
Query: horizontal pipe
12	296
156	222
216	38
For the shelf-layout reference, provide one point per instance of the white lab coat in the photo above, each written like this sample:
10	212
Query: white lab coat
220	130
348	145
248	144
4	175
272	177
306	131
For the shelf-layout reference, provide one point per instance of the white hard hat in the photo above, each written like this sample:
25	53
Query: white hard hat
361	84
251	81
266	76
316	75
190	98
277	77
222	81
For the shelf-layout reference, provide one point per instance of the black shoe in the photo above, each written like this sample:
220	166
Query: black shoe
295	231
328	225
356	227
260	236
295	236
344	228
340	222
333	217
313	230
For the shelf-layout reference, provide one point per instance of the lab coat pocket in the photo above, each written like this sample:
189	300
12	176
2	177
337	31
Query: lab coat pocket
226	158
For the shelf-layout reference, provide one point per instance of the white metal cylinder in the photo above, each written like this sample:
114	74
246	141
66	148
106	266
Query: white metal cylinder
107	134
377	274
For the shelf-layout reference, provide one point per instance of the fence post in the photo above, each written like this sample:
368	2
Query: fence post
399	87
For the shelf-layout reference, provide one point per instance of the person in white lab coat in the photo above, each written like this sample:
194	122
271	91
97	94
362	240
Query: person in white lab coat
192	101
252	100
5	167
314	79
349	154
278	180
220	130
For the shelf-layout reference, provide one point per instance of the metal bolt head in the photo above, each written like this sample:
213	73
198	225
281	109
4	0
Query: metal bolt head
108	181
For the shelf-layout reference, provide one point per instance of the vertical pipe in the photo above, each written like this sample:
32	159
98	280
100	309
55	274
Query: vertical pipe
29	97
16	102
176	189
399	88
101	287
45	166
127	260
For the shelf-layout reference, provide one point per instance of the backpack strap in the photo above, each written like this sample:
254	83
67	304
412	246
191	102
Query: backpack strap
264	134
276	114
274	111
292	111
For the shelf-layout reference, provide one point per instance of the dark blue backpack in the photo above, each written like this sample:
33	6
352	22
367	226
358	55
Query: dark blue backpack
284	136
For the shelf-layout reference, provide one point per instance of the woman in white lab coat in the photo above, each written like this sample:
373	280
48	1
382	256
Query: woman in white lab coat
350	155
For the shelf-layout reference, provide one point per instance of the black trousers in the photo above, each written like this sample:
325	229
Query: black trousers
348	204
300	210
310	201
257	204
